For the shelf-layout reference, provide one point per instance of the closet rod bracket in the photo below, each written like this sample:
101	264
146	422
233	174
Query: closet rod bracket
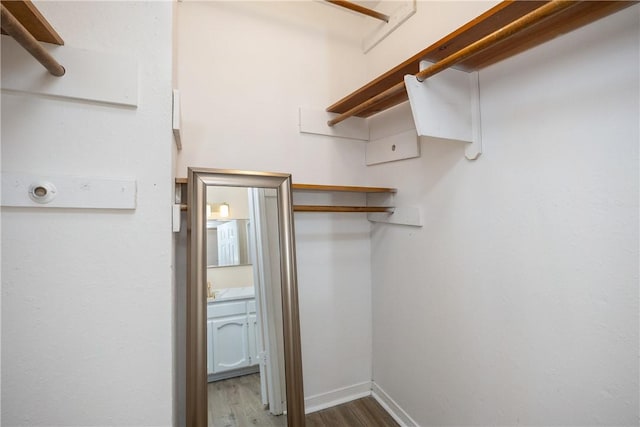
447	106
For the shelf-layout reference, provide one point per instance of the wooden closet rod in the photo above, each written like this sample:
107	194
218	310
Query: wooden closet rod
360	9
320	208
503	33
15	29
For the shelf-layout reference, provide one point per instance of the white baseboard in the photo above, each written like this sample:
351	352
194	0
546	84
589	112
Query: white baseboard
337	397
392	407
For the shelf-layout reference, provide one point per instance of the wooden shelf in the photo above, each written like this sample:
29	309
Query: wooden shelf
569	19
319	208
341	188
31	18
329	189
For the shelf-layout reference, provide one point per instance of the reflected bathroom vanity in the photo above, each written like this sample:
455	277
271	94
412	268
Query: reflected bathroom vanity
232	322
232	340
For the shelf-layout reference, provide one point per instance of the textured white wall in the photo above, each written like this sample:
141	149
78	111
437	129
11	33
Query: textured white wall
86	294
517	302
244	69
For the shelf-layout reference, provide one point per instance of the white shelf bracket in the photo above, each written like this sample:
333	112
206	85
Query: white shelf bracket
447	106
176	119
402	215
399	11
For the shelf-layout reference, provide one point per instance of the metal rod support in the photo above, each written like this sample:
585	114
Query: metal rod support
15	29
503	33
360	9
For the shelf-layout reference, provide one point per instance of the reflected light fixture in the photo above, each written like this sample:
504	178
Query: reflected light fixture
224	210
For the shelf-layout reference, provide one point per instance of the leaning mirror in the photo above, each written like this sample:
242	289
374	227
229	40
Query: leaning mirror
243	335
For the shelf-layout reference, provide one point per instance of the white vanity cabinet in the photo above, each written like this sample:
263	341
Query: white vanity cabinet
231	338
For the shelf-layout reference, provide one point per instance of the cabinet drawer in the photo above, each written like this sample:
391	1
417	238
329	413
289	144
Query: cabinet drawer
221	309
251	306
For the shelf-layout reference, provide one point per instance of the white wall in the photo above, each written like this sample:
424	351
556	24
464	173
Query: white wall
517	302
86	294
244	69
236	198
240	276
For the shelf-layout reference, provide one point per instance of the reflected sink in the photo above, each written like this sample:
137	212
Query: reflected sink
228	294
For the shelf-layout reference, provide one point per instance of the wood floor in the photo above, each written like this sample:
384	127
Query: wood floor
236	403
365	412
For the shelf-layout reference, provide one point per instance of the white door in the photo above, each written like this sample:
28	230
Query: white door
265	251
228	245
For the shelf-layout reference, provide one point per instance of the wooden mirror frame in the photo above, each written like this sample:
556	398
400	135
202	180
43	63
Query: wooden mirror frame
196	351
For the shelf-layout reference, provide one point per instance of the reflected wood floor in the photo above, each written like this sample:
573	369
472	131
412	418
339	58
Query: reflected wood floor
236	403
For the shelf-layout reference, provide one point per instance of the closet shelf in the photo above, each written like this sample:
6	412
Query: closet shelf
341	188
573	16
33	21
328	189
319	208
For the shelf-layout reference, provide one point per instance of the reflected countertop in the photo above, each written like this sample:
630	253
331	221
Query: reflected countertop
230	294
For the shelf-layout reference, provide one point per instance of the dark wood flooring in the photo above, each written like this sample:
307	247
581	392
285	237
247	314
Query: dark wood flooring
236	403
365	412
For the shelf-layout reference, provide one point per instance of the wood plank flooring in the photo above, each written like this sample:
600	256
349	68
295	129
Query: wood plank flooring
365	412
236	403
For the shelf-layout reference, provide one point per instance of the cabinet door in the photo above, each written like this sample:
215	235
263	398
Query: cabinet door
253	339
209	346
229	340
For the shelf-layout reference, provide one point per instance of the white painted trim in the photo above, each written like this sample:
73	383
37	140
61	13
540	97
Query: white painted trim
336	397
390	405
177	118
473	150
90	76
175	218
404	145
19	190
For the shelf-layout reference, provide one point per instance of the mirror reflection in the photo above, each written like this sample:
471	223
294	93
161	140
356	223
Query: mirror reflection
245	364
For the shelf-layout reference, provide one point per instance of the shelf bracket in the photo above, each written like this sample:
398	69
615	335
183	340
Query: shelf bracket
401	215
447	106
